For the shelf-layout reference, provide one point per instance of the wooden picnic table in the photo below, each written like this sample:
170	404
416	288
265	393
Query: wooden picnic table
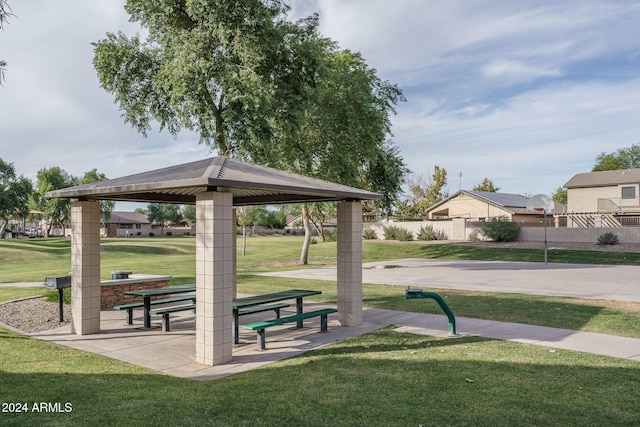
146	294
239	303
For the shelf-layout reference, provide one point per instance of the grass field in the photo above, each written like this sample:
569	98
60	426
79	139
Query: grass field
380	379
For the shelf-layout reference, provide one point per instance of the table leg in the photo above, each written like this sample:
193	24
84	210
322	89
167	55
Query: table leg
147	309
299	323
236	339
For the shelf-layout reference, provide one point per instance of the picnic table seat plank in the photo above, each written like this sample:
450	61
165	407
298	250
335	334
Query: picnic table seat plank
260	327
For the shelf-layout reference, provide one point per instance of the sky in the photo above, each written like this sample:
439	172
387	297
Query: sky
525	93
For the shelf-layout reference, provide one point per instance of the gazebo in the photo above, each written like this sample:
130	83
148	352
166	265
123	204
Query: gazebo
215	186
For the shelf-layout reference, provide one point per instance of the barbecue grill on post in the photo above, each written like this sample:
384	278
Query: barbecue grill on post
59	283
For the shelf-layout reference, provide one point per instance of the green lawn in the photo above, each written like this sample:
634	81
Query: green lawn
381	379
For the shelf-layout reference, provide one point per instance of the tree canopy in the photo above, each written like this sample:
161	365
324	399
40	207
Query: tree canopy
106	206
486	185
423	195
234	71
258	87
56	210
14	194
623	158
163	214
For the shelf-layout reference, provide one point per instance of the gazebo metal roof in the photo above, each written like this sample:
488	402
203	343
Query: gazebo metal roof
250	184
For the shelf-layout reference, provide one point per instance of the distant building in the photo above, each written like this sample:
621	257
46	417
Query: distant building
484	205
131	222
605	198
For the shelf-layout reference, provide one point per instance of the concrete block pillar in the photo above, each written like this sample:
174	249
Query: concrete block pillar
349	263
215	235
85	268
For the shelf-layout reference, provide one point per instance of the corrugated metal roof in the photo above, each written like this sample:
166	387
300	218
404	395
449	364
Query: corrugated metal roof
604	178
249	184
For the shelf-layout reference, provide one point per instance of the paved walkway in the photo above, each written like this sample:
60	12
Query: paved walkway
173	353
621	283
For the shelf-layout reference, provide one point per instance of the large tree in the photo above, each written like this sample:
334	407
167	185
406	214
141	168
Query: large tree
623	158
423	195
344	135
163	214
255	86
14	195
56	211
234	71
486	185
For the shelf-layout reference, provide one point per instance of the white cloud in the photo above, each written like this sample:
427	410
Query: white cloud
525	93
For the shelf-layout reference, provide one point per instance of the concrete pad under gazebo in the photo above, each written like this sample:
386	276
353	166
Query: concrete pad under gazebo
215	185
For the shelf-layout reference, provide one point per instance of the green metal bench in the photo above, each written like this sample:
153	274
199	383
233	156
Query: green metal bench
168	310
129	307
260	327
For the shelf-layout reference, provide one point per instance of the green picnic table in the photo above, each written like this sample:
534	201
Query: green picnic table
256	300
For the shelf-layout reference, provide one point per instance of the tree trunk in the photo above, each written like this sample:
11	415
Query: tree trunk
304	256
244	239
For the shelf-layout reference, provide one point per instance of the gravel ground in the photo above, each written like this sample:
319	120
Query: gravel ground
33	315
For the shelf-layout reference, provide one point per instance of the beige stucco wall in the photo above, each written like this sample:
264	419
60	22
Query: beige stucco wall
585	200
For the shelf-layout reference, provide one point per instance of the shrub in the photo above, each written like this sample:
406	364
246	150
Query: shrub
369	234
330	236
475	236
427	233
608	239
501	230
314	241
186	233
391	232
396	233
152	234
169	233
404	235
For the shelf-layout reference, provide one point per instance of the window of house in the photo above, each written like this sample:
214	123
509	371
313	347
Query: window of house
628	192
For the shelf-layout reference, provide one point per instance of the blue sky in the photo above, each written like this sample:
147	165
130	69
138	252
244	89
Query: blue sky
525	93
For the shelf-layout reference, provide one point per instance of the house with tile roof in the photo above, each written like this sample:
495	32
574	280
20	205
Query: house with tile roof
484	205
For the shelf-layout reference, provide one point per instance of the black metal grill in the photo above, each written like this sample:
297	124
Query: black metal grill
59	283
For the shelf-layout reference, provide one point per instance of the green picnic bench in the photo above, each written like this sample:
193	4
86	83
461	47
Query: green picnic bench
260	327
168	310
129	307
164	312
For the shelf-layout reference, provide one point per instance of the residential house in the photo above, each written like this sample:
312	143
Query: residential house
484	205
123	224
611	198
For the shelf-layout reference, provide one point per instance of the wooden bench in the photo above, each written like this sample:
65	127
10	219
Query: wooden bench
168	310
261	326
131	306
